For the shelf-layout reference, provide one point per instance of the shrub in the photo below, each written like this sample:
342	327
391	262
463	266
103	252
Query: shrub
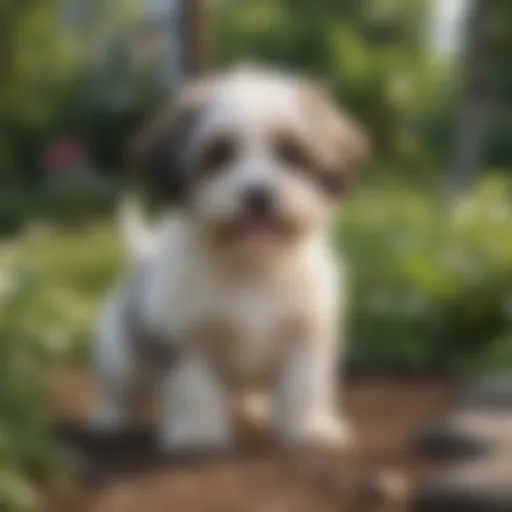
70	205
51	283
432	283
26	447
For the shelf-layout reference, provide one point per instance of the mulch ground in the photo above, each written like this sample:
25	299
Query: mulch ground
126	474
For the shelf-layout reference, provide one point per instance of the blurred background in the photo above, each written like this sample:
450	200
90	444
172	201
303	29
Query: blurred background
430	79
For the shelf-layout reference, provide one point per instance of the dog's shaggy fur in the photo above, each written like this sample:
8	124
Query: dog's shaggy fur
235	292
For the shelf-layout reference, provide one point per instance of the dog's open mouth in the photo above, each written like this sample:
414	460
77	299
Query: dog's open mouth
255	231
260	230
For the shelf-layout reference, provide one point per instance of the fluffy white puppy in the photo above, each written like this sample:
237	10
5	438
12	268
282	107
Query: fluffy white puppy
236	291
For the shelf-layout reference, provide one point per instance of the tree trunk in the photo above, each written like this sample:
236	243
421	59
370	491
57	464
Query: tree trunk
476	110
196	44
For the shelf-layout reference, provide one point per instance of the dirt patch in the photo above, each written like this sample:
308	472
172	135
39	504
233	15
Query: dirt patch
126	474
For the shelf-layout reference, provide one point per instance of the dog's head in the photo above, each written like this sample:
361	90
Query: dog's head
255	158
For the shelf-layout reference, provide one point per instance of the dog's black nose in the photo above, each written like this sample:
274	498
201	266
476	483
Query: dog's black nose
258	200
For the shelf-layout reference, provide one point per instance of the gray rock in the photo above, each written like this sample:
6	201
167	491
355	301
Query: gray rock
480	423
468	433
475	487
476	439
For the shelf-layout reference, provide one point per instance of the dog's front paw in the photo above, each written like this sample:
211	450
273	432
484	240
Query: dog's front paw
324	431
328	431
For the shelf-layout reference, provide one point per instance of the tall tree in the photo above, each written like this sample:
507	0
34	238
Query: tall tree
485	124
476	99
35	61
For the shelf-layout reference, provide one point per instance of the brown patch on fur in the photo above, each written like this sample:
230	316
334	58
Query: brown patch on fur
294	329
217	153
340	141
293	150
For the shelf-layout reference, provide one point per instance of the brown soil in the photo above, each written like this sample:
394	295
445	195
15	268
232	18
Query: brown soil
126	474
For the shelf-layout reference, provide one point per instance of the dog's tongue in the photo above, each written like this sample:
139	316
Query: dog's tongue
260	231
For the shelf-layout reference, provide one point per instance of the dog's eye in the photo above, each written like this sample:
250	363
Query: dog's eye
292	152
217	154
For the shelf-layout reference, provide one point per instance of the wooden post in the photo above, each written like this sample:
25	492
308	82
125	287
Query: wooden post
195	41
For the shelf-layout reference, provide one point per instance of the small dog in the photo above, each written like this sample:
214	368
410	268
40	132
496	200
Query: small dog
235	294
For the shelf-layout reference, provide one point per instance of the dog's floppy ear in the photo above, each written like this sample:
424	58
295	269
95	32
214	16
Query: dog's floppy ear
158	151
342	144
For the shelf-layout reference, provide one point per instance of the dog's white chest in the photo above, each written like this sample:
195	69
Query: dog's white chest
245	326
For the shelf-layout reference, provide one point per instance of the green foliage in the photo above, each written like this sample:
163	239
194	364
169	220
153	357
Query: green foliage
66	76
69	205
50	288
75	268
432	284
372	54
38	63
26	448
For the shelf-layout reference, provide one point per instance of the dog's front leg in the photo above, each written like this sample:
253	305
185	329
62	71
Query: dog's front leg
305	397
197	412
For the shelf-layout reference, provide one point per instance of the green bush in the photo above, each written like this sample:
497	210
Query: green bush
66	205
26	447
51	283
432	283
